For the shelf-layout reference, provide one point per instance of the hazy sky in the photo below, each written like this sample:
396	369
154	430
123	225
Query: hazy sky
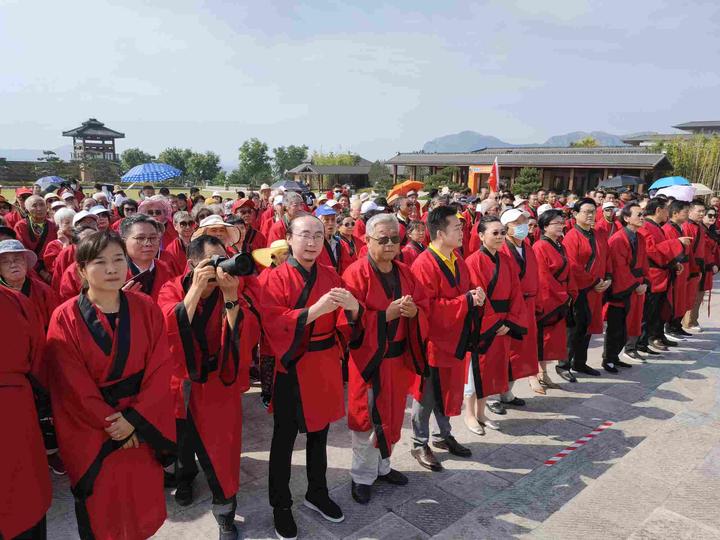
364	76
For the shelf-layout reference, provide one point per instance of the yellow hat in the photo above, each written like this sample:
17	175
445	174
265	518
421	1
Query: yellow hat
266	256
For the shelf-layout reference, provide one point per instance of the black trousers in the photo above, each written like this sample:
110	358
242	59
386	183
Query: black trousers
615	334
37	532
287	423
652	323
190	445
578	337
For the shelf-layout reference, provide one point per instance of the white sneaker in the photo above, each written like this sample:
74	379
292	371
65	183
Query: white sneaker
697	328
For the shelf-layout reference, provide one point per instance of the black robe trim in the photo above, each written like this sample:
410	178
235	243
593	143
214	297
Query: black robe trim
165	449
519	259
561	251
590	237
292	355
335	260
231	349
453	280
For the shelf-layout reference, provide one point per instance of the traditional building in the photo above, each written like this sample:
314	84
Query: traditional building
92	140
707	127
575	169
325	176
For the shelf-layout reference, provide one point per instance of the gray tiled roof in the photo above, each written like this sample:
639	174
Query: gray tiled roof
699	124
630	157
658	137
94	128
362	167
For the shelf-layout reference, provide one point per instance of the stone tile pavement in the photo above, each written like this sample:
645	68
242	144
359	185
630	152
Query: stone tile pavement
654	474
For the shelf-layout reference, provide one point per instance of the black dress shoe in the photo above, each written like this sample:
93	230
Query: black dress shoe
659	345
360	493
454	447
496	407
620	363
683	332
426	458
587	370
610	367
634	355
184	494
515	402
228	530
648	350
669	342
169	480
565	374
396	478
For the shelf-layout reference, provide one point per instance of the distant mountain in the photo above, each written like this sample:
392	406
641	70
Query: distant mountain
465	141
26	154
468	141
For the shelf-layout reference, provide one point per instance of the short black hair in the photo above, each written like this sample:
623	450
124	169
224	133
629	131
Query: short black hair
677	206
438	219
547	216
487	220
579	204
148	186
698	202
654	205
626	211
414	225
196	248
8	231
92	245
128	222
164	191
126	202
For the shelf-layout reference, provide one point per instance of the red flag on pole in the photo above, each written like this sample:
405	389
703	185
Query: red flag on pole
494	176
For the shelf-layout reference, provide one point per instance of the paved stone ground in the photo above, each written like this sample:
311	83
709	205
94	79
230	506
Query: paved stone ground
654	474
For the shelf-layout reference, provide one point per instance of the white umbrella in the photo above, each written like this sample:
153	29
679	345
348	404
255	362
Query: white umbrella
701	189
681	193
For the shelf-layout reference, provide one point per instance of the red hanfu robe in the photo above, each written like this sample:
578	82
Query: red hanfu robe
696	260
630	268
491	365
169	234
663	254
353	244
359	231
712	258
34	242
43	299
587	254
338	263
210	372
52	250
608	229
70	283
13	218
64	259
554	294
162	274
388	355
176	256
253	240
454	327
309	353
677	294
26	491
278	231
97	371
524	354
411	251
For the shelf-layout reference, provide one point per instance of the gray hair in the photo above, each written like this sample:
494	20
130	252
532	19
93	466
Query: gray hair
291	197
31	199
180	215
63	213
380	219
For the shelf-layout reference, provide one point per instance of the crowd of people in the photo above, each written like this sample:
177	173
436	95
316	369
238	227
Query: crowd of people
133	327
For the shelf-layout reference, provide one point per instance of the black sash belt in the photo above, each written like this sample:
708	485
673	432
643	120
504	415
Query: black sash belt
212	363
322	345
501	306
113	393
395	349
637	272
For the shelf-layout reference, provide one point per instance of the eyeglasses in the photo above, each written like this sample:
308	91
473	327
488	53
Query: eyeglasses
154	212
129	209
308	237
186	223
556	223
147	240
383	240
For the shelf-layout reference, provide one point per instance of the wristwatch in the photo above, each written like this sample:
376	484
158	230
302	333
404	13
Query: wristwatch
231	304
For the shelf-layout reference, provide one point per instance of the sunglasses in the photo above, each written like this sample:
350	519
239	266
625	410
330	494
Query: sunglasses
348	224
383	240
501	232
711	216
154	212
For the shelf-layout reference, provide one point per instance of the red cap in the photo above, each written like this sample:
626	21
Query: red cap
23	191
240	203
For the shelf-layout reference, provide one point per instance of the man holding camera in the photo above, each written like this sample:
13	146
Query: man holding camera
212	334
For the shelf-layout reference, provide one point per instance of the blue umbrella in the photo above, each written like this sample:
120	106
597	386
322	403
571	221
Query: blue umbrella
670	181
49	183
151	172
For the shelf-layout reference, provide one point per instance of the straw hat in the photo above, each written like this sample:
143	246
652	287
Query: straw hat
266	256
217	221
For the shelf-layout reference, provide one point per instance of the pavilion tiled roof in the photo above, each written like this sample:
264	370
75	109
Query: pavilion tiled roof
713	124
94	128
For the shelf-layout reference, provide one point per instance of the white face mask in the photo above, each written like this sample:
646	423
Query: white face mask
521	231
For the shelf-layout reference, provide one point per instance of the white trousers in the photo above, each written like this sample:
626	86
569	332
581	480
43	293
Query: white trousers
367	464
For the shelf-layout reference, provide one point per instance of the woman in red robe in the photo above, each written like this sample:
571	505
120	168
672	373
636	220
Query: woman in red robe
556	291
109	362
416	242
36	231
26	490
63	219
176	252
489	367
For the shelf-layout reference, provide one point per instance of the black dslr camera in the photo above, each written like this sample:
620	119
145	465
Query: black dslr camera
241	264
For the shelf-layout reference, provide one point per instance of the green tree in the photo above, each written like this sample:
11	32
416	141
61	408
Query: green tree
444	178
176	157
202	168
49	165
254	162
133	157
331	158
379	176
220	179
697	159
587	142
234	178
101	171
527	181
288	157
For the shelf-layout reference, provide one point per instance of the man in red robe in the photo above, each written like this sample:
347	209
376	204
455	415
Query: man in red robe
26	489
587	254
665	257
212	334
693	228
175	253
605	220
293	206
307	307
335	253
454	310
253	239
627	295
677	294
385	361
